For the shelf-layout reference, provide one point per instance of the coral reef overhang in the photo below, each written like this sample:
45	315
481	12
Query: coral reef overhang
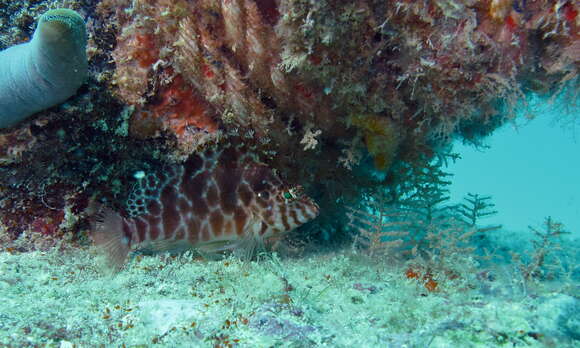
327	93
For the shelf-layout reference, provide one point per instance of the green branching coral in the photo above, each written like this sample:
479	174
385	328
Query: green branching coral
45	71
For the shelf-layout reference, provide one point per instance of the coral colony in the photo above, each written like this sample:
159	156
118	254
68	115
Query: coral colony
340	98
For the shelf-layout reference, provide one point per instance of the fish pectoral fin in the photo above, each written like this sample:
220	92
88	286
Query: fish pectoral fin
244	248
160	246
216	246
248	247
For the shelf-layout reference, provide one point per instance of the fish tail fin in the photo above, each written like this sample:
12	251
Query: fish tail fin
107	234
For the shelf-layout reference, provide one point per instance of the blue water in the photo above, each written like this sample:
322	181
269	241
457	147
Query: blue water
531	167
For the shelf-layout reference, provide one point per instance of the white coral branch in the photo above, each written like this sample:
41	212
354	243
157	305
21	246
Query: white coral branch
309	140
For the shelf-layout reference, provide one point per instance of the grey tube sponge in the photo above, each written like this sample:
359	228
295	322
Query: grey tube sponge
45	71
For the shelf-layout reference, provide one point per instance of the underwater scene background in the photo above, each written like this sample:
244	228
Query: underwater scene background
289	173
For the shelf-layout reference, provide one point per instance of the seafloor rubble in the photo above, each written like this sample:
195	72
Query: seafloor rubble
328	93
333	300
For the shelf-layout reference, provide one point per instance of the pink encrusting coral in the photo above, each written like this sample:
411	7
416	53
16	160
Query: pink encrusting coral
217	200
229	54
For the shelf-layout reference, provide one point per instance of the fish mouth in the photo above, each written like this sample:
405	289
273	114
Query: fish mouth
315	209
312	209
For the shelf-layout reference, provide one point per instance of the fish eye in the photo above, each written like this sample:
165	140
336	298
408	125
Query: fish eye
264	195
293	193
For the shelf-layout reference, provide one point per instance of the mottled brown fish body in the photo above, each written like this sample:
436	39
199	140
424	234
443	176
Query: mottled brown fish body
213	202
